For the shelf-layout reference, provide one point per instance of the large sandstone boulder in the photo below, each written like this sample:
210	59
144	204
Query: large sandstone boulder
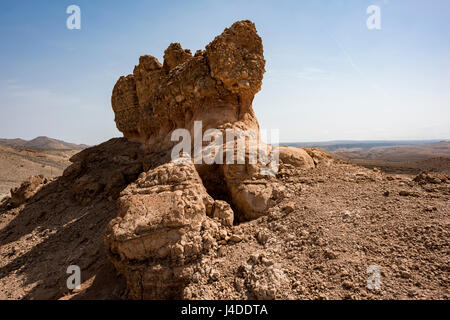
180	208
215	86
296	157
166	221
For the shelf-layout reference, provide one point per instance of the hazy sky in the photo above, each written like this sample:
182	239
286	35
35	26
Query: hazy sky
328	76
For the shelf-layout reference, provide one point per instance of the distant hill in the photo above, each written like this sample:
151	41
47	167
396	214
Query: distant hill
42	143
401	156
365	144
397	152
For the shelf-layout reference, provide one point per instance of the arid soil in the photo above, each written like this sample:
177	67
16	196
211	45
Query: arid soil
433	164
339	220
17	164
335	221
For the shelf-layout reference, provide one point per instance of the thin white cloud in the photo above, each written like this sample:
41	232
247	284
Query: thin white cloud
313	73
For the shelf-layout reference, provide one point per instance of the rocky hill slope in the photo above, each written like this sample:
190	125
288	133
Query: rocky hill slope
332	223
17	164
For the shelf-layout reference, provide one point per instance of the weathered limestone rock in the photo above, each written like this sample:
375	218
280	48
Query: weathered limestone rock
296	157
163	227
319	155
216	86
179	209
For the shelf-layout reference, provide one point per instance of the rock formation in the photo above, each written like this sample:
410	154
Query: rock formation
163	227
296	157
27	189
215	86
180	208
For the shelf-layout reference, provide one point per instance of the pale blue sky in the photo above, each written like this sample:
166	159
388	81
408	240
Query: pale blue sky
328	77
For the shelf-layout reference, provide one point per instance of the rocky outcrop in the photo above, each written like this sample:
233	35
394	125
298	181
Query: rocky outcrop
166	221
216	87
180	208
27	189
319	155
296	157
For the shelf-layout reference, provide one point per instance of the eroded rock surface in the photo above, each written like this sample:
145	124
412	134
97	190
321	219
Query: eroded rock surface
164	225
215	86
27	189
162	215
90	176
296	157
179	208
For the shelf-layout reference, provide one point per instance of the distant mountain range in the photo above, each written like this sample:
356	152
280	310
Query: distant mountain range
42	143
362	144
402	156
